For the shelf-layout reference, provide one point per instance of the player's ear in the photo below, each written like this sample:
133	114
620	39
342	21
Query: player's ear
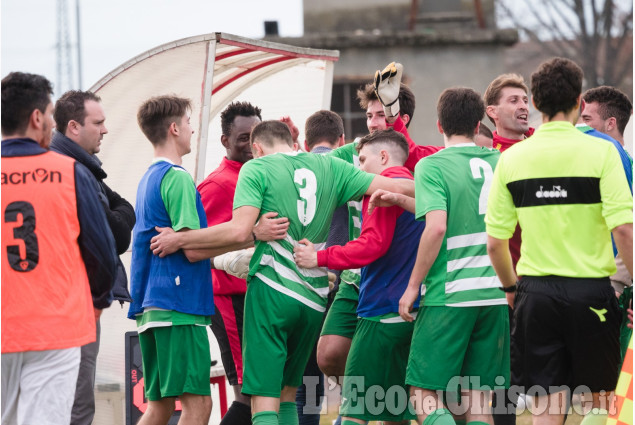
256	149
173	129
36	119
405	118
439	127
384	156
224	140
490	110
611	124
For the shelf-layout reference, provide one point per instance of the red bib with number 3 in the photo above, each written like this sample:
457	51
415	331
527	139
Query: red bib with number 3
46	301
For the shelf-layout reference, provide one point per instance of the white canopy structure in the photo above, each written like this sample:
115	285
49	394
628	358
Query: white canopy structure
211	70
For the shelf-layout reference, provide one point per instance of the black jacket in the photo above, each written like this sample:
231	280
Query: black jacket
119	212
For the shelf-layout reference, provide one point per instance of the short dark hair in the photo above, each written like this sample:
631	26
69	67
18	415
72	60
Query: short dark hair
157	114
237	109
611	103
492	94
459	110
23	93
556	85
269	133
406	99
390	138
484	130
323	126
71	106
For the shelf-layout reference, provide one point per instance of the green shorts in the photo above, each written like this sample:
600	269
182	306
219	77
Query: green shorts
341	318
453	342
374	383
279	333
176	360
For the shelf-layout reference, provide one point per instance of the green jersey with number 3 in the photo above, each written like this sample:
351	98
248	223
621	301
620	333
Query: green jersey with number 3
457	180
306	188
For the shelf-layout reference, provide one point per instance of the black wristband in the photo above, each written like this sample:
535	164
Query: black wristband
509	289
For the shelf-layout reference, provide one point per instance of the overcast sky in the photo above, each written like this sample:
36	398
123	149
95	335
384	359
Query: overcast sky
114	31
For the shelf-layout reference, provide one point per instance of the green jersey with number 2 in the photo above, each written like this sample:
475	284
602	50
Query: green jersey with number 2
457	180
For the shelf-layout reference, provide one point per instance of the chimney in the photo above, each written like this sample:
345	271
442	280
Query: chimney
271	28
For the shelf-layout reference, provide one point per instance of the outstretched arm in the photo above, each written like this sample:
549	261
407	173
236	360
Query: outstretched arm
224	237
383	198
387	85
403	186
374	241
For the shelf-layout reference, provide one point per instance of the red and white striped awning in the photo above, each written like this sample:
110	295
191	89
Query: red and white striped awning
212	70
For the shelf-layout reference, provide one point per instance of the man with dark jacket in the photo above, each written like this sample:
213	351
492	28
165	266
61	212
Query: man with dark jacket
80	119
58	253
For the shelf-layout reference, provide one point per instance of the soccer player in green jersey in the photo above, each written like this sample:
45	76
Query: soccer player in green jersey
463	310
284	303
341	320
567	191
381	343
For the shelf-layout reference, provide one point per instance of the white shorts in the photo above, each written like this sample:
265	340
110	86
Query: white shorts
38	387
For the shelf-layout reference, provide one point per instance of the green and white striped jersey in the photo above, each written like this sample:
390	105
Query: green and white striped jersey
349	154
306	188
457	180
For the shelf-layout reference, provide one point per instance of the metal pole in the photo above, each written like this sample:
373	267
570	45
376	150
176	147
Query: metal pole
79	45
58	47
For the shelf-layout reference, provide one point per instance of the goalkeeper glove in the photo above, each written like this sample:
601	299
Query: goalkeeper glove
387	84
235	263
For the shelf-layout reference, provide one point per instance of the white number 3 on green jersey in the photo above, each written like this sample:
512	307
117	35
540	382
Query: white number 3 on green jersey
308	186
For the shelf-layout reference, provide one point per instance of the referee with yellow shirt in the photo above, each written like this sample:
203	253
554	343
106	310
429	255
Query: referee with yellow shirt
568	193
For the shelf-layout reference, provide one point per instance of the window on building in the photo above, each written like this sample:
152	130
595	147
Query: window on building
344	102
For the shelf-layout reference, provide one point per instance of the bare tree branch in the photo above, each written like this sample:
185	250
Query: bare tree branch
625	66
565	12
533	36
563	42
594	33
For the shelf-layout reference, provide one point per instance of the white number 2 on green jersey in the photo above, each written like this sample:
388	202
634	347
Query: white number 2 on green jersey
308	186
477	164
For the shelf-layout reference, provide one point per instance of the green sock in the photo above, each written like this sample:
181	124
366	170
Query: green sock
288	413
595	417
439	417
265	418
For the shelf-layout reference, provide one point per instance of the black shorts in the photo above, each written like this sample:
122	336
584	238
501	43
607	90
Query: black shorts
565	333
227	325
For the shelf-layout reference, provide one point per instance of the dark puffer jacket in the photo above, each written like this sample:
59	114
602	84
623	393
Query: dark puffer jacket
120	214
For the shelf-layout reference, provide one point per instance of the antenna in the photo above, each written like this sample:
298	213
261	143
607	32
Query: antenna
64	60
